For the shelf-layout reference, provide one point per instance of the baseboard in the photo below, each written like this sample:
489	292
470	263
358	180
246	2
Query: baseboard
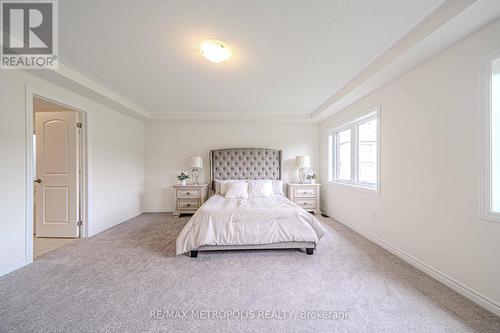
460	288
13	267
112	224
156	210
19	264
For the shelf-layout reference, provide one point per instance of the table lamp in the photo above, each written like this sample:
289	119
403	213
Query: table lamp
303	162
196	163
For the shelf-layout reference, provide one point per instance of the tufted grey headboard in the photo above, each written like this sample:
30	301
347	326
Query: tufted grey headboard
245	163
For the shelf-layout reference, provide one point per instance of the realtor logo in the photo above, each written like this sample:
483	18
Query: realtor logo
29	38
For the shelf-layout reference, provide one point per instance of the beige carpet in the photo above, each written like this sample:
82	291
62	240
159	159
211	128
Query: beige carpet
42	245
128	279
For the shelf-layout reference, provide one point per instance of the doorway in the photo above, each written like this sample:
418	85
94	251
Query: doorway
57	175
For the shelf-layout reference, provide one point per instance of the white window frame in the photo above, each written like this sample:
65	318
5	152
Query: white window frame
487	212
370	114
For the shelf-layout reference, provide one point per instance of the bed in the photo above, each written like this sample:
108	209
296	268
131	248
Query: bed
252	223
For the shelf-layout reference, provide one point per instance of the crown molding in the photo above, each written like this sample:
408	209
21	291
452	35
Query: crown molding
72	80
450	23
80	84
444	26
231	117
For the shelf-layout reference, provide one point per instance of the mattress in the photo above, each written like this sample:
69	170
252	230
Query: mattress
223	221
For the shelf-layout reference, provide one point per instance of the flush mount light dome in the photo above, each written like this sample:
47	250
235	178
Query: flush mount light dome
215	50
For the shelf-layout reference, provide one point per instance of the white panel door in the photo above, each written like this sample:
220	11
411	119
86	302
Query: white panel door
56	197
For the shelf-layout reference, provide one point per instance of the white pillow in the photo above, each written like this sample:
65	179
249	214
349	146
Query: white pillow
221	185
278	187
260	188
217	186
237	190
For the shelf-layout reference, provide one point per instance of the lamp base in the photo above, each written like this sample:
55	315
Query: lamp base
302	175
195	176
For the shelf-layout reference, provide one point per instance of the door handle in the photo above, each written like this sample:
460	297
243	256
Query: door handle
38	180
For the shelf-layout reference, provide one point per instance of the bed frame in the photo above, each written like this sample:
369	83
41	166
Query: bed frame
248	163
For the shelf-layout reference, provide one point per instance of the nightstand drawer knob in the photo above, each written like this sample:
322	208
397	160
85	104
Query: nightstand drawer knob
187	193
189	205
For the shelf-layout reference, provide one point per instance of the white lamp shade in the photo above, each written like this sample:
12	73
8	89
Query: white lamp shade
197	162
303	161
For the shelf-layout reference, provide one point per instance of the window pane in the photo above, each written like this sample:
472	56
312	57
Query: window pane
495	136
330	158
367	158
343	155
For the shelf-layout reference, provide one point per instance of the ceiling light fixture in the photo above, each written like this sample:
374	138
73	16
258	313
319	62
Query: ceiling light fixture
215	50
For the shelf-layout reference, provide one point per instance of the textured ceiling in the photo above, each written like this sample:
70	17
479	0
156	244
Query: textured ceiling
288	55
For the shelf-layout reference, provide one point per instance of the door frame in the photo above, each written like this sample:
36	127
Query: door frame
32	92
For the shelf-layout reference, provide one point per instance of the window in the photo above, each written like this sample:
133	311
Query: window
495	136
354	152
491	138
343	153
367	159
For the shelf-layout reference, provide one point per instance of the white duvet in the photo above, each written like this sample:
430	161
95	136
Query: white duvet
225	221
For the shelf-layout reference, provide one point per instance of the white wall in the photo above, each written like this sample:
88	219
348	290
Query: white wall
430	162
12	172
170	145
116	163
117	169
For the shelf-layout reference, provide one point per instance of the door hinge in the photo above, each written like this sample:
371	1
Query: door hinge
79	125
78	222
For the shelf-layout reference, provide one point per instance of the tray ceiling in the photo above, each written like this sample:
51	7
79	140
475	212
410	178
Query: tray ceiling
288	56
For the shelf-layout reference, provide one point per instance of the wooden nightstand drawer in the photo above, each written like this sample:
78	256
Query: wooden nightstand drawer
188	193
304	192
306	202
189	198
188	204
305	196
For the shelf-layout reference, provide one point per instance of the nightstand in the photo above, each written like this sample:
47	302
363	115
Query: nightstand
189	198
305	195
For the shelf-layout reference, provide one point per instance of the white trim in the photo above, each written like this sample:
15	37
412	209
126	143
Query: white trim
379	147
110	225
450	282
84	176
437	29
371	113
28	181
157	210
354	186
372	62
92	89
357	118
30	93
486	212
13	267
452	22
231	117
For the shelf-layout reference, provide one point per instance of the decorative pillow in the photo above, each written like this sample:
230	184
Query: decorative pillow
278	187
237	190
260	188
221	185
217	186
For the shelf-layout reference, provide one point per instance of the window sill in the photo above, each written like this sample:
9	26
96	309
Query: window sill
491	216
368	189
